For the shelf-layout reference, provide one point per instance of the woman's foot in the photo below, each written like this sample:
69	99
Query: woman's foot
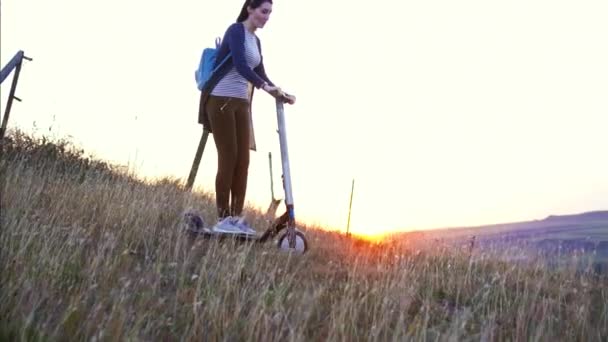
233	225
244	226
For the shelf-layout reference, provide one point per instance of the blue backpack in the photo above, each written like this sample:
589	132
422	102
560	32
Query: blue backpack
205	67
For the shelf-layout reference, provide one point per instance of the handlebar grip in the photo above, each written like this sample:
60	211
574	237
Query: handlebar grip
284	97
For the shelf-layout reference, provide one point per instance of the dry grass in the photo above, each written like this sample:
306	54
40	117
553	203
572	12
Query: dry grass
89	252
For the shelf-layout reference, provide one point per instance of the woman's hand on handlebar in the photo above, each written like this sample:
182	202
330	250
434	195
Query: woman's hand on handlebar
279	94
274	91
291	99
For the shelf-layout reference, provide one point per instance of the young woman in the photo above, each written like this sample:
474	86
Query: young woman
225	110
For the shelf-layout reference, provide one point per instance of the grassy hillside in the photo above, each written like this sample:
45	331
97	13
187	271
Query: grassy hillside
90	252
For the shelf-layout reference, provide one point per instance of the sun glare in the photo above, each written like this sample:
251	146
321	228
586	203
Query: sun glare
375	237
369	235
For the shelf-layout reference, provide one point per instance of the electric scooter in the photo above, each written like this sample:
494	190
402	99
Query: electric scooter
292	239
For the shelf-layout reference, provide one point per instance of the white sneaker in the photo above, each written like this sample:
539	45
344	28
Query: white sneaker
227	226
244	226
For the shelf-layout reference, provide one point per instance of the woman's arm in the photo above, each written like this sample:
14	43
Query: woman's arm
262	73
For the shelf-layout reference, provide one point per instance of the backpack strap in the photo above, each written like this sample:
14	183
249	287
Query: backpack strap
222	63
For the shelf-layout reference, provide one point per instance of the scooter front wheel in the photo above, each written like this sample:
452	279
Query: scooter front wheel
301	244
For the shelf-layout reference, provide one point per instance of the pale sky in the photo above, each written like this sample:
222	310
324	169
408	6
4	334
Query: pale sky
446	113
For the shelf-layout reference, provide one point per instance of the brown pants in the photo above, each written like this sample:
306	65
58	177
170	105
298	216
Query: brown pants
229	120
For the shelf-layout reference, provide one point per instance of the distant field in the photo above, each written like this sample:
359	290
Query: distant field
562	241
594	231
591	232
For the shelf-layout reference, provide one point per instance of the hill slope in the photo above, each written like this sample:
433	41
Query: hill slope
89	252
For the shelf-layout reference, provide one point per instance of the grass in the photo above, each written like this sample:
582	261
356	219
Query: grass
90	252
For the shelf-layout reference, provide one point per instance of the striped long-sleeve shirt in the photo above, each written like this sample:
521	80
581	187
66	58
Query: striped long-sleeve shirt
233	84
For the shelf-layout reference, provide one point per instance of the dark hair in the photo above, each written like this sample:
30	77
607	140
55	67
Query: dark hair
249	3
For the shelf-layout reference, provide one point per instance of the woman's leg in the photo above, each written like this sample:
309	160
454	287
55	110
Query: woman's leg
222	121
239	180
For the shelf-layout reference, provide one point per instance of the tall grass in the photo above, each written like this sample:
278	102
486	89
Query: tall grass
89	252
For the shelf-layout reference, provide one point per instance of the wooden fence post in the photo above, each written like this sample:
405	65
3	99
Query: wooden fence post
197	159
352	189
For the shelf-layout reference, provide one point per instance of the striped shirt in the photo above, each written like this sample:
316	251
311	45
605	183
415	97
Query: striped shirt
234	84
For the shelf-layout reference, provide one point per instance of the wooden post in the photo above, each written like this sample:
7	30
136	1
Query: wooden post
197	159
352	190
274	202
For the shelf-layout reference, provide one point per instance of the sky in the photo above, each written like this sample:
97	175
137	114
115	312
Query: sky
444	113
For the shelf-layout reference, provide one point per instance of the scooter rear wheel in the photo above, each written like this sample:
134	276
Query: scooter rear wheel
301	244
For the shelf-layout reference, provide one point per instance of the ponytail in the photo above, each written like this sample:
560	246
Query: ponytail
244	14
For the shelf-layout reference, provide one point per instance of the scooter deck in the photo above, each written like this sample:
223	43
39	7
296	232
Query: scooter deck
207	233
278	225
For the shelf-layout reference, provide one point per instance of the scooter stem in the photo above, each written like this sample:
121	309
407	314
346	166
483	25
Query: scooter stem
284	153
291	220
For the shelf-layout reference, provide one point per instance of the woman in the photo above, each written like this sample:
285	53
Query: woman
225	110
